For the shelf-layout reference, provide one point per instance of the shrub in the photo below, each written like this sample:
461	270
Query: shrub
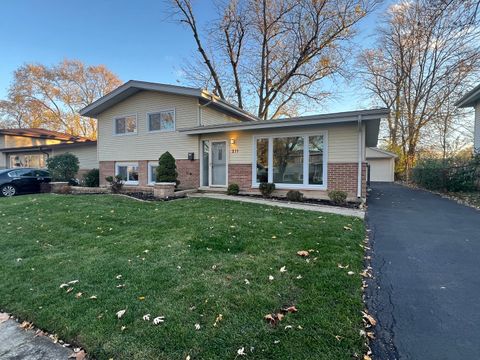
233	189
116	183
294	195
446	174
266	189
338	197
92	178
63	167
167	169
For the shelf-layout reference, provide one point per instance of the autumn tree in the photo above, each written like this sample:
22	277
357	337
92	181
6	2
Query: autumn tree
426	55
270	56
51	96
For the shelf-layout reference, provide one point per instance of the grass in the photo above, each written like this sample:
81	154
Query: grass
186	260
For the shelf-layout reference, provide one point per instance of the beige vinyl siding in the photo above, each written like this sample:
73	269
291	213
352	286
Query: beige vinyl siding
21	141
342	141
87	155
148	145
211	116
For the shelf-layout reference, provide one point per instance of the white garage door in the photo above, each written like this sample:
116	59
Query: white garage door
381	170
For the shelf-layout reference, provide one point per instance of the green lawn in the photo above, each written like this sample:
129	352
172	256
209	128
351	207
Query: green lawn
186	260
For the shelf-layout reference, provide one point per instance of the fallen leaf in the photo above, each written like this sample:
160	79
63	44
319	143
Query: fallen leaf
123	328
218	319
338	337
303	253
93	297
4	317
274	237
350	273
78	356
280	316
241	352
291	309
146	317
247	282
347	228
288	327
69	290
366	357
369	318
121	313
158	320
299	277
270	318
283	269
73	282
26	325
63	285
343	266
118	277
197	326
141	298
270	277
120	286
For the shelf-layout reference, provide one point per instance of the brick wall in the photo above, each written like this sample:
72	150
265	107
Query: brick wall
188	173
106	168
343	176
240	174
142	173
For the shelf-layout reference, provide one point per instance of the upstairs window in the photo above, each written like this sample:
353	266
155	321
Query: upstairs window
125	125
161	121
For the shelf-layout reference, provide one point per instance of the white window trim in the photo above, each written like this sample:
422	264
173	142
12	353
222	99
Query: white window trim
305	184
149	172
157	112
127	164
126	133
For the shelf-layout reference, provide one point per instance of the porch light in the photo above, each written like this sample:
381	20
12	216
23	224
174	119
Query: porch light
232	141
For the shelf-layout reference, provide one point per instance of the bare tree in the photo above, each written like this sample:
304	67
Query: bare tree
428	50
270	56
50	97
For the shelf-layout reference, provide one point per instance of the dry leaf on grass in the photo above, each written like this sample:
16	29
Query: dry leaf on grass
283	269
73	282
350	273
197	326
303	253
69	290
146	317
78	295
158	320
26	325
218	319
121	313
78	355
347	228
291	309
369	318
343	266
241	352
93	297
366	357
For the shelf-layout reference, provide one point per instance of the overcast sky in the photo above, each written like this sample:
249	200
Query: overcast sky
132	38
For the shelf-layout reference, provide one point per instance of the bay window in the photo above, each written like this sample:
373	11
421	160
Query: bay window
293	161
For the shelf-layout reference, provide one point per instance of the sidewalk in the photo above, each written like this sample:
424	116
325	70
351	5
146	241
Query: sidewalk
298	206
17	343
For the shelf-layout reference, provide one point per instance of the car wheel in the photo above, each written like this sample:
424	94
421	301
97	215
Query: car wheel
8	190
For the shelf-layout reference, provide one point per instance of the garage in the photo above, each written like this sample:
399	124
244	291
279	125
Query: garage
382	165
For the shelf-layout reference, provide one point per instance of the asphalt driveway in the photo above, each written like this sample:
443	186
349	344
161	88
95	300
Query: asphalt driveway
426	288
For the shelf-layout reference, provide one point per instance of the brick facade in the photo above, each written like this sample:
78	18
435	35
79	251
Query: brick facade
343	176
188	172
240	174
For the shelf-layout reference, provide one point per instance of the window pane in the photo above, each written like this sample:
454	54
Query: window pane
153	174
262	160
288	160
122	171
120	126
133	173
167	121
154	122
131	124
315	162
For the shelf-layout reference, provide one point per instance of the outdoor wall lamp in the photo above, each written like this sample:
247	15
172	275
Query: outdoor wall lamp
232	141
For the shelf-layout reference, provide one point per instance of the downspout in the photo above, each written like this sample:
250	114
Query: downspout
359	170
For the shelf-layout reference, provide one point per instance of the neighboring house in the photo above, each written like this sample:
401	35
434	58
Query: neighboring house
472	99
32	147
216	143
381	164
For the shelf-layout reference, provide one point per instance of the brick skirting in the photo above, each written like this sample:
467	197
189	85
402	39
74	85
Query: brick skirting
188	172
240	174
343	176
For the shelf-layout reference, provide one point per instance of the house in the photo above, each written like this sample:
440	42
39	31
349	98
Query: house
472	99
32	147
381	164
216	143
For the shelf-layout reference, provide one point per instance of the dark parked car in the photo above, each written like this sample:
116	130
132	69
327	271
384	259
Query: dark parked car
22	180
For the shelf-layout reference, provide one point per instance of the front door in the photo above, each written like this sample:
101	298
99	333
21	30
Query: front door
218	164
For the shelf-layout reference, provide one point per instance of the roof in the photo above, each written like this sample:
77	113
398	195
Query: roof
43	134
376	153
469	99
49	147
132	87
370	117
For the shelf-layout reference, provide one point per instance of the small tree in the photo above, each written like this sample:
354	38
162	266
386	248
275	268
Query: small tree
167	169
63	167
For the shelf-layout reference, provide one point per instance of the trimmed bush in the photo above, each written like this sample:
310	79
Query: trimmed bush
167	169
115	182
92	178
266	189
294	195
63	167
233	189
338	197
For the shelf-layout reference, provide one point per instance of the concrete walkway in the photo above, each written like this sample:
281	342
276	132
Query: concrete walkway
298	206
17	343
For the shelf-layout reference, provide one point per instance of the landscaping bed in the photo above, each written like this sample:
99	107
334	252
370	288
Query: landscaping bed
90	267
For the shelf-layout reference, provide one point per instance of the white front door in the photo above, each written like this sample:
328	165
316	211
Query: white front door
218	163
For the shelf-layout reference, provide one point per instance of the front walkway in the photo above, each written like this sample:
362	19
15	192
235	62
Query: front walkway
425	259
298	206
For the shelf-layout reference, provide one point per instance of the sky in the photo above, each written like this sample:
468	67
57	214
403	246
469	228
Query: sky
134	38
